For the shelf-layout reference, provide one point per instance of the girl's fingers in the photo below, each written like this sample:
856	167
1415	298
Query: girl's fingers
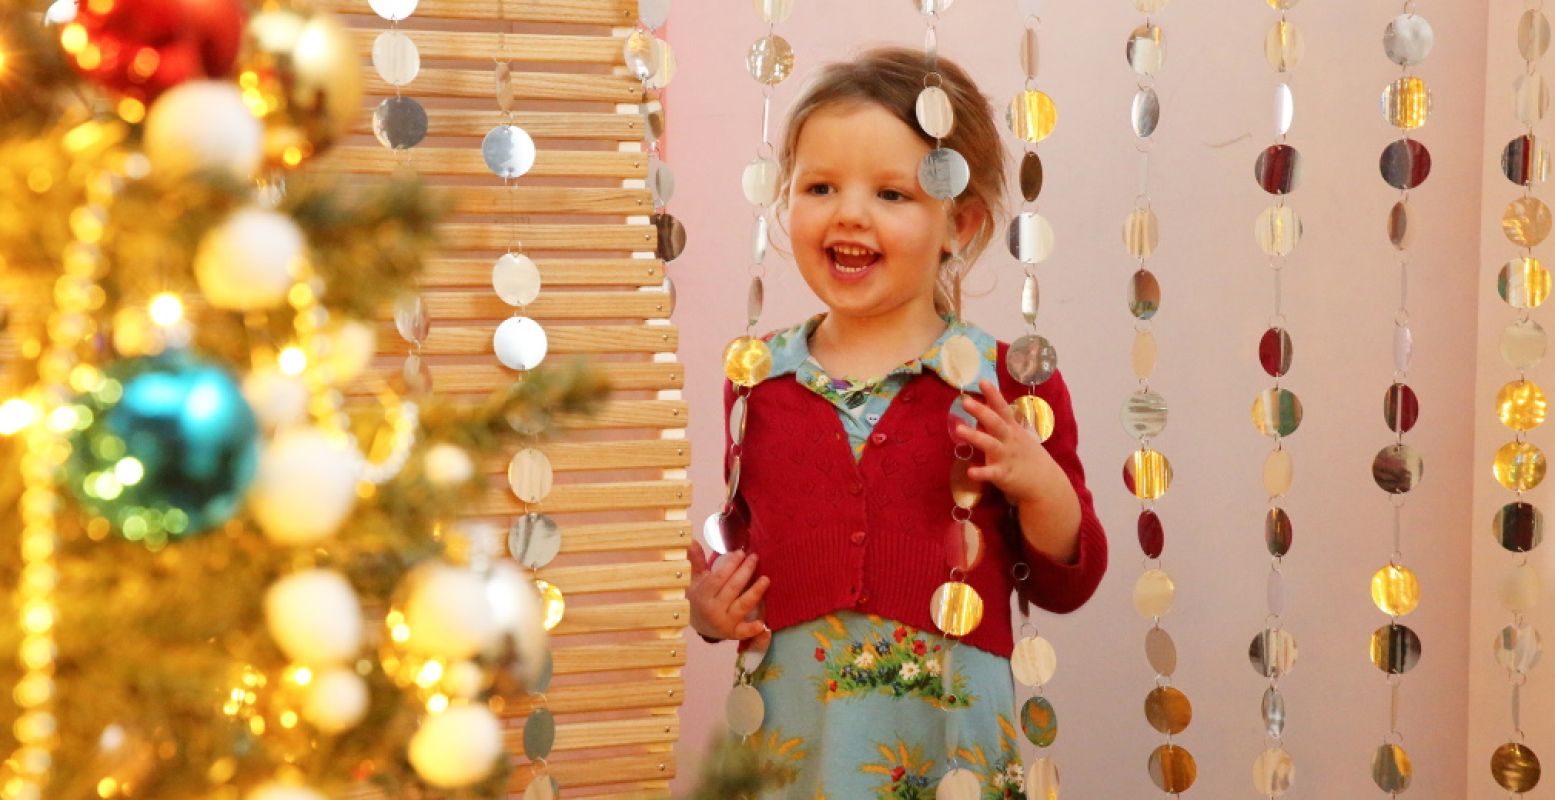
697	558
990	445
718	574
738	581
988	419
743	604
995	400
746	630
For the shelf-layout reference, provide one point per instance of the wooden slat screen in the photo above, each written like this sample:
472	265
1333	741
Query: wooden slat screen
621	494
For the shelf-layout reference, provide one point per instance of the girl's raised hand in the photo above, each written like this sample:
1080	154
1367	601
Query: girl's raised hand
723	596
1013	458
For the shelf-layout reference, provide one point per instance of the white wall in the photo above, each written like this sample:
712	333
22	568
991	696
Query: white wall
1340	293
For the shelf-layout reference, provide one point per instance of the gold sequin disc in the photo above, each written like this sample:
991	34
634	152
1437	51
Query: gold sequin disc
956	608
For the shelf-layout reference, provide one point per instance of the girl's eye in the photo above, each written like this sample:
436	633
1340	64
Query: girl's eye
892	195
819	189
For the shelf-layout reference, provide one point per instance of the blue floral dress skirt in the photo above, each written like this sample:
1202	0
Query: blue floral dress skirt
857	707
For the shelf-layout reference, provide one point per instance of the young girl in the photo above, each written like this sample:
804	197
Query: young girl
845	498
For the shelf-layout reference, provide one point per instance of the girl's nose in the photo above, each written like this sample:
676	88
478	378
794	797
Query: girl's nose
852	210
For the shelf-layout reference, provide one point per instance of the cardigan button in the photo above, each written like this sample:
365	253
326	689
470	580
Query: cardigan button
857	537
856	488
877	438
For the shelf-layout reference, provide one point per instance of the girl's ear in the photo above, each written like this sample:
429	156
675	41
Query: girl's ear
969	219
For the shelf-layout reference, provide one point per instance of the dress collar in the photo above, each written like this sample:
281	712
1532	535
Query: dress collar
791	354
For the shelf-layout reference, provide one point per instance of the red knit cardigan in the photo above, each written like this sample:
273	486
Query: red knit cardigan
870	535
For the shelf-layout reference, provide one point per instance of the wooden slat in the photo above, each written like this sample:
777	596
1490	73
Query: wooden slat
486	378
632	576
481	83
660	729
579	498
667	653
542	125
585	697
562	339
629	414
666	615
596	237
638	454
485	305
646	769
378	160
444	272
488	200
487	46
620	13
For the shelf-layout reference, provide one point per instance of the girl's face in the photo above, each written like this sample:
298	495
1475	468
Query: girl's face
866	237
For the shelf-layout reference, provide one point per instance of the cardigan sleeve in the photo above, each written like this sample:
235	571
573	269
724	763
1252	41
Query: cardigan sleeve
1055	586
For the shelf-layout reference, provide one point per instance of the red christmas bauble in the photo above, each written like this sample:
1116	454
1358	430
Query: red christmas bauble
141	48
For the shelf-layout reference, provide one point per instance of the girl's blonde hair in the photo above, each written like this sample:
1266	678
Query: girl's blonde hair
892	78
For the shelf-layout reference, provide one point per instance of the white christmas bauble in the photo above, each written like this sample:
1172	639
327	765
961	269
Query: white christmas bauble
336	700
351	347
515	607
250	260
199	125
464	680
305	488
457	747
283	791
448	613
279	400
448	465
315	617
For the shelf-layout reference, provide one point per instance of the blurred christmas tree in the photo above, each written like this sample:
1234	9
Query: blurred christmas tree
222	579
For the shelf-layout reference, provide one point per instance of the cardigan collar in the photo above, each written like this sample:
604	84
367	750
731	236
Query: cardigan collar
791	355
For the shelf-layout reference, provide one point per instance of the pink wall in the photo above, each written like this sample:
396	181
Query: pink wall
1339	294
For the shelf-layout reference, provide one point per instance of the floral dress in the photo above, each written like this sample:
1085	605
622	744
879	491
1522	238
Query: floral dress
857	706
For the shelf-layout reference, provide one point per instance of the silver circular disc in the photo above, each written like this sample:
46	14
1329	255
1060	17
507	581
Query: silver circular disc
1397	468
755	299
770	60
539	734
1530	98
773	12
744	710
516	279
508	151
1517	648
393	10
672	236
1278	169
759	181
714	535
664	72
1031	360
1284	109
1030	299
653	13
759	239
1161	651
1030	238
959	784
1400	232
399	123
661	182
944	174
1408	39
1144	415
1273	772
1145	113
1523	344
737	420
1395	649
1391	769
534	540
1533	35
935	115
1518	526
542	787
1272	652
396	58
640	51
1144	294
530	476
411	318
1405	164
1146	49
1525	161
1272	709
520	343
1033	661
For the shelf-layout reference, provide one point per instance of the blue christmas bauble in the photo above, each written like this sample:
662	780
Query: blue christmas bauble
167	448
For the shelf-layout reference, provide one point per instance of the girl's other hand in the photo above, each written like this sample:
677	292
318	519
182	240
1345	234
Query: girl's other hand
723	596
1013	458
